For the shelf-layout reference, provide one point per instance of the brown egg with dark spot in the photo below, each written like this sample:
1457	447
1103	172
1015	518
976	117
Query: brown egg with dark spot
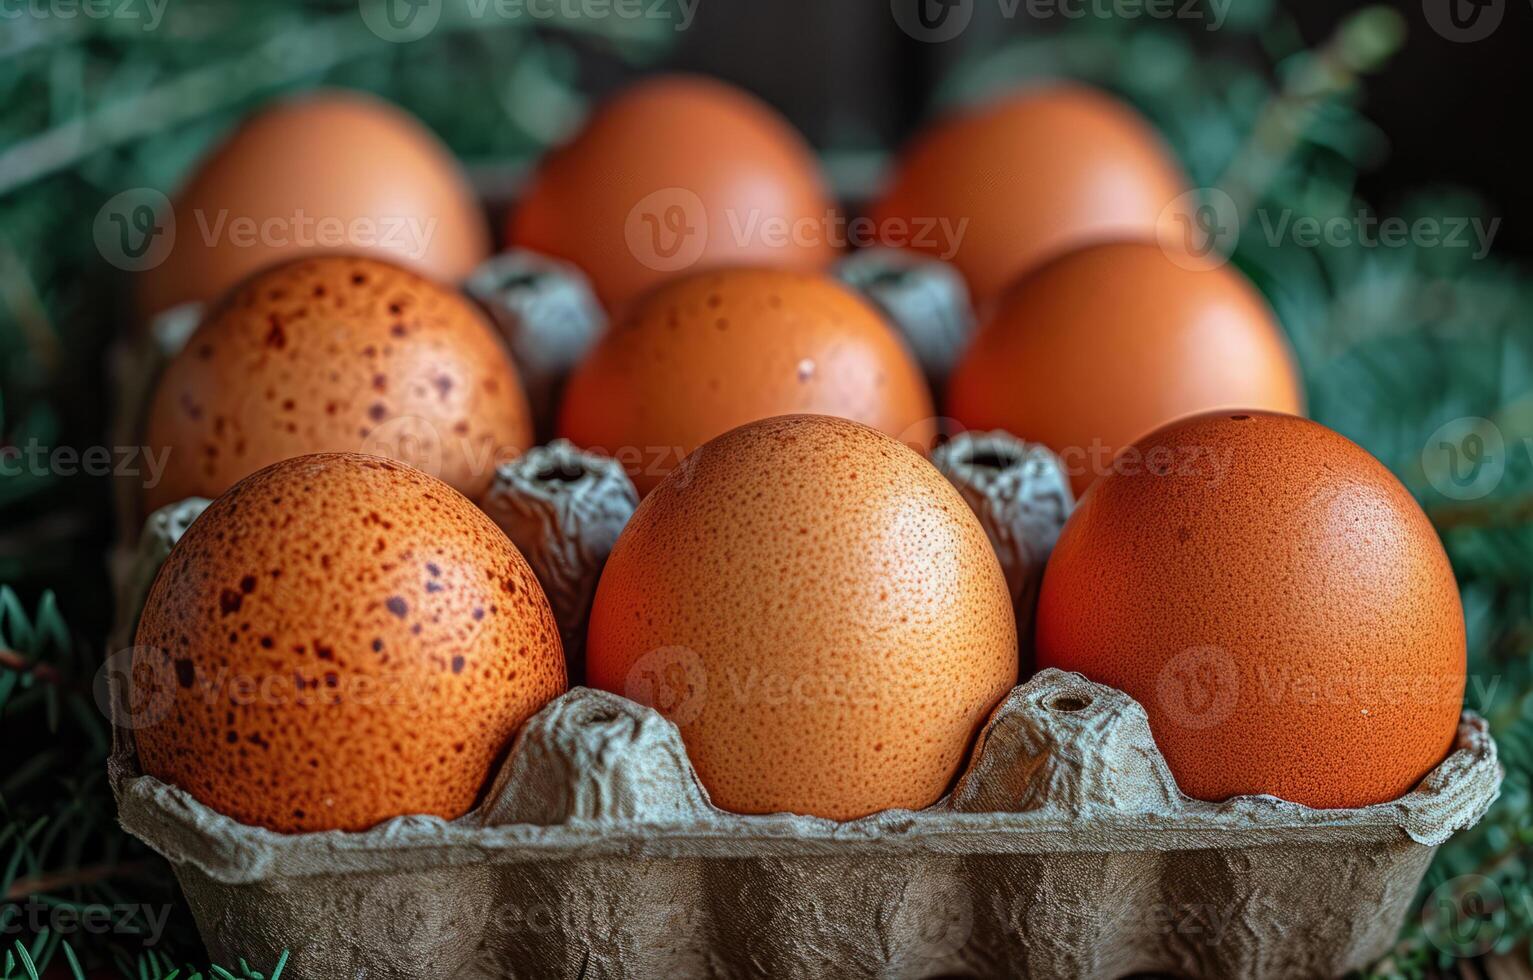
338	640
818	610
713	350
337	353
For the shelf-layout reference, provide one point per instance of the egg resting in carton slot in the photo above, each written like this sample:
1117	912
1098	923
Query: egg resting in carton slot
1064	849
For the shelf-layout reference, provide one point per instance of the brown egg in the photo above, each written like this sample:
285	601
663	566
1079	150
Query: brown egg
676	174
336	353
1095	349
1276	601
331	170
818	610
1027	177
337	640
703	354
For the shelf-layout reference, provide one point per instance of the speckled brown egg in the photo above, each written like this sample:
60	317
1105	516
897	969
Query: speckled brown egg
337	640
818	610
337	354
705	353
326	170
1277	602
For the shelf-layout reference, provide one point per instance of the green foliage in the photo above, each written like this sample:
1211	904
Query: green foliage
1395	344
23	962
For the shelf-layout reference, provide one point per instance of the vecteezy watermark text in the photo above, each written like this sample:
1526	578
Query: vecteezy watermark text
63	919
150	12
935	21
401	21
35	459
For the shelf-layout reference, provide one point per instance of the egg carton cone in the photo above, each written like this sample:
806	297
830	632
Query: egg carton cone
924	299
1064	849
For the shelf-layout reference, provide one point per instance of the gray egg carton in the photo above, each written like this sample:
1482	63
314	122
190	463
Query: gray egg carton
1064	850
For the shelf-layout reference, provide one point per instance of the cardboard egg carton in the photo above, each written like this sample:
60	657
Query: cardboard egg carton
1064	849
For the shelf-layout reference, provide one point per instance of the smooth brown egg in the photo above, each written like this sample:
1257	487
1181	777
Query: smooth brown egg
1002	186
818	610
1277	602
330	170
336	353
705	353
673	174
338	640
1092	350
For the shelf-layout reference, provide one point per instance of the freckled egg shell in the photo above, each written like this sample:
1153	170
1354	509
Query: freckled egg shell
1027	177
818	610
1096	348
1277	602
330	170
677	173
337	640
336	353
703	354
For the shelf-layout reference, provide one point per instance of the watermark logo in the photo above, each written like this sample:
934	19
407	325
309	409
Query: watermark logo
672	680
134	688
1202	228
939	920
37	916
400	21
150	12
1199	687
667	231
932	21
936	21
136	229
1464	21
1465	458
33	458
1199	229
415	441
1465	916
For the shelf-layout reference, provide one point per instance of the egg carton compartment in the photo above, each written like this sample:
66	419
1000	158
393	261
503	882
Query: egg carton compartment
1064	850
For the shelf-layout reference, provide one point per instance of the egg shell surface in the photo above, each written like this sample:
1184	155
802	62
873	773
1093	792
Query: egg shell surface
336	353
338	640
1278	603
818	610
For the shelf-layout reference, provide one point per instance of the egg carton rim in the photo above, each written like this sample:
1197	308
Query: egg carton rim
233	853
